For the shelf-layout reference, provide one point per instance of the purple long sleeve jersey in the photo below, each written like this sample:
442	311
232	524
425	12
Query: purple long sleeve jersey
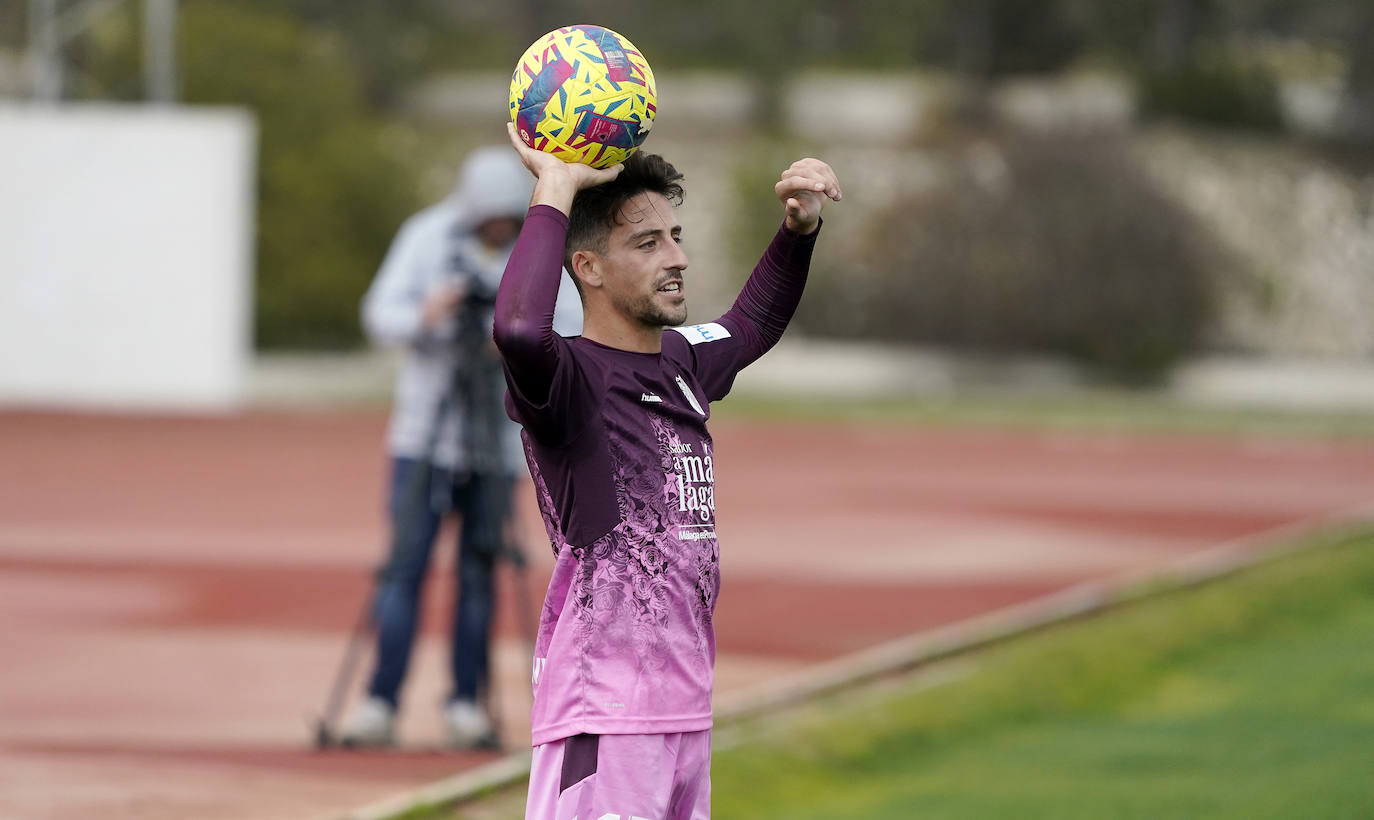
624	471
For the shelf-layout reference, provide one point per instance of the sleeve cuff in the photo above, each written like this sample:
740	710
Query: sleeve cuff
802	237
548	211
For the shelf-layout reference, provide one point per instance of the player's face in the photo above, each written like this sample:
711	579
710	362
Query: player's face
644	262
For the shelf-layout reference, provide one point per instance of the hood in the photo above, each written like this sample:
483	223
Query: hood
492	183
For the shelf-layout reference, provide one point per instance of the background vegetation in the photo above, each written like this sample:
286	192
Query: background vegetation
329	81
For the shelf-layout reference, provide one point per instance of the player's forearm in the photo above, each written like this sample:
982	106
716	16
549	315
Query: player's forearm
556	191
525	302
770	296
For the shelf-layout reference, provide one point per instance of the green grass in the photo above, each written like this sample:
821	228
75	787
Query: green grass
1103	410
1251	697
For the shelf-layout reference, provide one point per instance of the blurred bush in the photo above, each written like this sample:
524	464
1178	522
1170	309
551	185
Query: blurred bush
1052	245
1216	89
330	197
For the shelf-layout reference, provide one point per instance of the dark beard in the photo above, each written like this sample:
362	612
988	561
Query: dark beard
652	315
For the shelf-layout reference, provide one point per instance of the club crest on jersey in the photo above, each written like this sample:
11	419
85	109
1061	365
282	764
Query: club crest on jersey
691	397
709	332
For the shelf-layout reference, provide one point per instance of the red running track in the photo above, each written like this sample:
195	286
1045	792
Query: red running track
177	590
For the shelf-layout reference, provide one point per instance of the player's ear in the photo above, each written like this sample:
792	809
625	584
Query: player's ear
586	267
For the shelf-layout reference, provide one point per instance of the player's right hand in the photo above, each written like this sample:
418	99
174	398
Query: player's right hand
558	181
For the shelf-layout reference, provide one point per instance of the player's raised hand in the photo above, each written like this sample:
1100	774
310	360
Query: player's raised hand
558	181
803	189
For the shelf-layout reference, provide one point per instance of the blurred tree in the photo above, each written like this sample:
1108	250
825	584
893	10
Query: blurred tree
1358	114
766	40
329	196
321	74
1190	71
391	45
14	22
985	39
1177	25
774	52
394	44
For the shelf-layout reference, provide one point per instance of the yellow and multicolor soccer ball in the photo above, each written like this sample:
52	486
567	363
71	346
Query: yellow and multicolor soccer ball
584	94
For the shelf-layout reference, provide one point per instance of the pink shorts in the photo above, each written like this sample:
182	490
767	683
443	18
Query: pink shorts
622	777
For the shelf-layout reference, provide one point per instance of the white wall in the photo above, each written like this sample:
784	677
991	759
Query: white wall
126	256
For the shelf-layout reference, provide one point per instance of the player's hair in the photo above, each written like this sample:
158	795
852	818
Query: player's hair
596	210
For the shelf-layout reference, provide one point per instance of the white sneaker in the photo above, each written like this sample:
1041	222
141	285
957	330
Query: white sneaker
468	726
370	723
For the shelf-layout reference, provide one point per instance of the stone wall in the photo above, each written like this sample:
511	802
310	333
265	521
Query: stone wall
1301	230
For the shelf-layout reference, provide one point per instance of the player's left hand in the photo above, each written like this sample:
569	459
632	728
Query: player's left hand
803	190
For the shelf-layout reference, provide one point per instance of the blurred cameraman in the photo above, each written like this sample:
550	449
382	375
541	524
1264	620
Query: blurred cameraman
452	447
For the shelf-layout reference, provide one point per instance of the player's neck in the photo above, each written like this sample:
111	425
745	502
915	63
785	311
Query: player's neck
616	331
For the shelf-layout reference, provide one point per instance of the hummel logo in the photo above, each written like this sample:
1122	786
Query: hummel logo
649	397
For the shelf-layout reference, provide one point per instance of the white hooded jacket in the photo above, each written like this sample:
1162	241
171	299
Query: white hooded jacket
435	246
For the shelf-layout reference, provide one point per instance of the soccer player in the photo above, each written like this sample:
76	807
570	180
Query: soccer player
615	436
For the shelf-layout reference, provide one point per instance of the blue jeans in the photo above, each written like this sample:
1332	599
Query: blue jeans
483	502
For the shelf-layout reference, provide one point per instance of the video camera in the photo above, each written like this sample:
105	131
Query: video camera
477	293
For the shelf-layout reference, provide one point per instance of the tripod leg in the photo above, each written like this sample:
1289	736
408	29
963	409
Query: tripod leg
325	735
411	539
